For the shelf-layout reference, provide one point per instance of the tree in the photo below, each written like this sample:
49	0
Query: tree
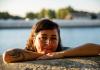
62	13
70	9
4	15
16	17
51	14
42	13
30	15
93	16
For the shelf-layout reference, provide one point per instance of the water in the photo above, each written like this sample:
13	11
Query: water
71	37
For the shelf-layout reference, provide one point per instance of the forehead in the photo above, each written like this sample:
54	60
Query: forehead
48	32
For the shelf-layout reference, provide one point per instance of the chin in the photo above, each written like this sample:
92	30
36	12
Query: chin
48	52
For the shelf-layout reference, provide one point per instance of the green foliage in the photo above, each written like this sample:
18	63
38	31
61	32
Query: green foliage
93	16
70	9
51	14
42	13
6	15
61	13
31	15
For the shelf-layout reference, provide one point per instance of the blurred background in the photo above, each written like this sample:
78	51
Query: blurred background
79	21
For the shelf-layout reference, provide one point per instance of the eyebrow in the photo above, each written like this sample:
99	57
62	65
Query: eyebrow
44	34
51	35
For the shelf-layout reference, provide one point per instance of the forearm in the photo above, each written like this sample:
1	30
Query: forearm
84	50
16	55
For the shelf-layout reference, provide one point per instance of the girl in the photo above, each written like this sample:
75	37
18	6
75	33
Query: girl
45	43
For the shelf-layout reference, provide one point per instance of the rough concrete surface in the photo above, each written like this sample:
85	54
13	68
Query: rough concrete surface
76	63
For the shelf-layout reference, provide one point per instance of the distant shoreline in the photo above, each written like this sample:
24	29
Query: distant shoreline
16	24
15	27
95	26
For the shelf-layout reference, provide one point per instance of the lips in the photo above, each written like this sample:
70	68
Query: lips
48	48
47	51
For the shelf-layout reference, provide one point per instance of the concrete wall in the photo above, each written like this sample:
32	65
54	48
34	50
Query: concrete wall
77	63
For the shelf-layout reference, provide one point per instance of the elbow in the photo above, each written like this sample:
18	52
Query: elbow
7	57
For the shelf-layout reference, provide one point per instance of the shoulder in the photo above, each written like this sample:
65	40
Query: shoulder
65	48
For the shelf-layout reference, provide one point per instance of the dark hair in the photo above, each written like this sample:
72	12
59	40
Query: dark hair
44	24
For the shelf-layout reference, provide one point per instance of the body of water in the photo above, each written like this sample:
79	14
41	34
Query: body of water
71	37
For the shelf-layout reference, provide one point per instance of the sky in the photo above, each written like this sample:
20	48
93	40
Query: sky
21	7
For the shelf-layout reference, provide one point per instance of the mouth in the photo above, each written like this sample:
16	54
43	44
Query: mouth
48	49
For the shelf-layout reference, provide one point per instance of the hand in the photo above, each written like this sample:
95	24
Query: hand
53	55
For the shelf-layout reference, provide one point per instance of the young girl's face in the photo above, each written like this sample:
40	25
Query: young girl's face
46	41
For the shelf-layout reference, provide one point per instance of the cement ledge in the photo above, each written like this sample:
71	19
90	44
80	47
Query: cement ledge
77	63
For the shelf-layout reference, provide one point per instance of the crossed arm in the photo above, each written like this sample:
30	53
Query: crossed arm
16	55
83	50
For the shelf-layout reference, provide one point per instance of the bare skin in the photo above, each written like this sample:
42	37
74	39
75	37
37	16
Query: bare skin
84	50
16	55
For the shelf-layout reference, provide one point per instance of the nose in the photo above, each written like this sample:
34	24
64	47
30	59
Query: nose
48	42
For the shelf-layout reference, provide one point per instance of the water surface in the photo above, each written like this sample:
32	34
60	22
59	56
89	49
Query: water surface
71	37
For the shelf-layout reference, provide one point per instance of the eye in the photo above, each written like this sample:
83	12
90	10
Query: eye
44	38
53	38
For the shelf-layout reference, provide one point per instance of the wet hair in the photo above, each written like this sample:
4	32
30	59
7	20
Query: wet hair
44	24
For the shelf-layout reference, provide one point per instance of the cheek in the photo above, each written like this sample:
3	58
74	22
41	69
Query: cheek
55	45
38	45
